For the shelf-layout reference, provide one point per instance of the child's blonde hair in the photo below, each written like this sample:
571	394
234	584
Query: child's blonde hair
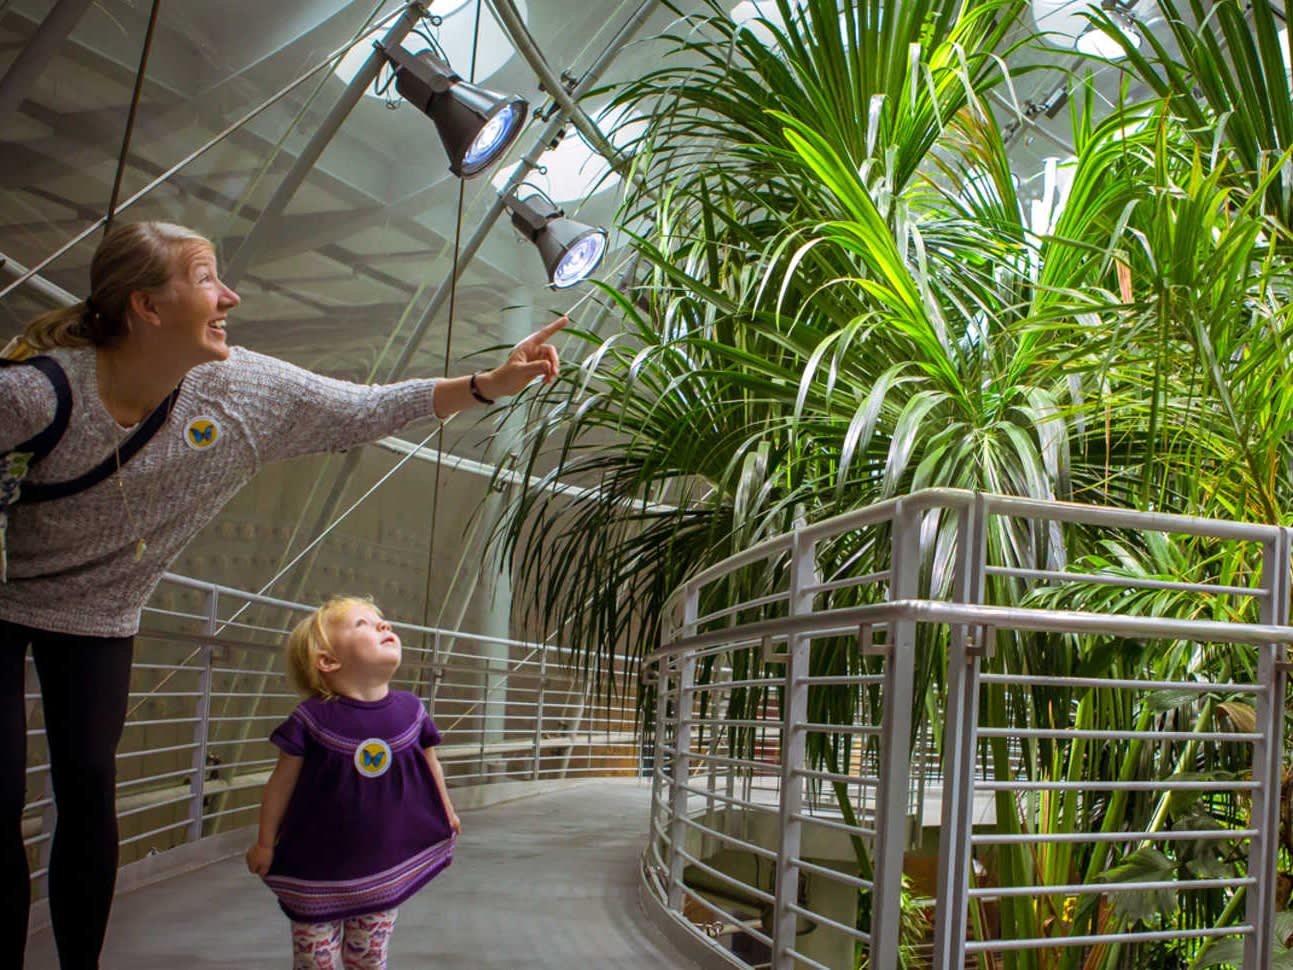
309	640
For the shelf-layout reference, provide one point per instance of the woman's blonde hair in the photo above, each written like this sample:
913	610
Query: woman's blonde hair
132	256
309	640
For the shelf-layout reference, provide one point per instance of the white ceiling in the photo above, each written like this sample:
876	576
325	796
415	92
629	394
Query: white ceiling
370	235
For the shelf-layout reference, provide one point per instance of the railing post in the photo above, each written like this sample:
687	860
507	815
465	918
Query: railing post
1263	849
437	672
657	744
202	729
538	712
793	742
895	746
681	758
960	742
48	820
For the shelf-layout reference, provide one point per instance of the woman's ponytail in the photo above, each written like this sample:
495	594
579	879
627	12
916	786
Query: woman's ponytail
64	327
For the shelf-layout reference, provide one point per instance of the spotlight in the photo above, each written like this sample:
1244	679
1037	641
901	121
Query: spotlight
570	250
1097	41
475	125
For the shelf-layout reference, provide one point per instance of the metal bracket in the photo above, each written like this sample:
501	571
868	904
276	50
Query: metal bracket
773	656
980	641
867	644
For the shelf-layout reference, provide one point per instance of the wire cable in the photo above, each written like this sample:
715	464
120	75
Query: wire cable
130	117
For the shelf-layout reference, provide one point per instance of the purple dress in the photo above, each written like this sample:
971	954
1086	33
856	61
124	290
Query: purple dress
366	827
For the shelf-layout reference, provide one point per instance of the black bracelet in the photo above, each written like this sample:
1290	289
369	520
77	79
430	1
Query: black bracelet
475	392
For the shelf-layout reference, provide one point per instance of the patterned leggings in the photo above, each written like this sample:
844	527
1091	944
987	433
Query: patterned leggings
358	943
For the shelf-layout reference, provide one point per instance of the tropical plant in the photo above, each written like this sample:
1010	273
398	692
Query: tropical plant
845	302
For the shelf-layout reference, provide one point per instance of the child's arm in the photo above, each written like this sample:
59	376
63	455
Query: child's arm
438	774
273	805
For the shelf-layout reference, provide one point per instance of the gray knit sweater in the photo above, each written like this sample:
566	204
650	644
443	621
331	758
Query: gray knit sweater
72	565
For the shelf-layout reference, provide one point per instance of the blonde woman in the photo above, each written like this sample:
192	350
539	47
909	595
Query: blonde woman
160	422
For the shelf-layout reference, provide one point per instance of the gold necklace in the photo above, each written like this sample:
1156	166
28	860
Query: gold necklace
140	545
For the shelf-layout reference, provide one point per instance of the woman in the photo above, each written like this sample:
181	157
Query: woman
146	350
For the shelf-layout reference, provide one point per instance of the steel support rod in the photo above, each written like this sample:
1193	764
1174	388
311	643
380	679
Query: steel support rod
37	52
55	294
319	140
510	18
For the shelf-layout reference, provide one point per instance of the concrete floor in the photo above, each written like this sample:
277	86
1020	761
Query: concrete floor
549	881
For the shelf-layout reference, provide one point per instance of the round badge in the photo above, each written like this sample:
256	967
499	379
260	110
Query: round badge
373	758
202	433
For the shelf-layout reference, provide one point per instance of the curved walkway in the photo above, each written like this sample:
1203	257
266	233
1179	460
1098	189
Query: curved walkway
547	881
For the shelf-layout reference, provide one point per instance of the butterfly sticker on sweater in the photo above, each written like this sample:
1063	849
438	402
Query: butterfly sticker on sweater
373	758
202	433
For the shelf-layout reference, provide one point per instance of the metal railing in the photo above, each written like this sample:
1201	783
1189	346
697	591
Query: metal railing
836	704
208	686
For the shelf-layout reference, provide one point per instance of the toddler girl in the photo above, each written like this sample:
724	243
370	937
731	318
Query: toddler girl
355	817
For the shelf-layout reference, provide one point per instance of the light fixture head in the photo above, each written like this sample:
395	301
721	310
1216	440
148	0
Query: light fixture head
476	125
1098	40
570	250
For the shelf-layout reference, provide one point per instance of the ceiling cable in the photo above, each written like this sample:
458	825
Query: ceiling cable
130	118
448	341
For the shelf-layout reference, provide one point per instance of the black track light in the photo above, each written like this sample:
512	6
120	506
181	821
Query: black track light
475	125
570	250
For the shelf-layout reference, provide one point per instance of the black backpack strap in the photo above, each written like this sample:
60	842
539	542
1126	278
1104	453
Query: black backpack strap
43	442
48	491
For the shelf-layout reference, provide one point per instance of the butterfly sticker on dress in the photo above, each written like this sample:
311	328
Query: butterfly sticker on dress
202	433
373	758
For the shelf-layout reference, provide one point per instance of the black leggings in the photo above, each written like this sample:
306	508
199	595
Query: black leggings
84	683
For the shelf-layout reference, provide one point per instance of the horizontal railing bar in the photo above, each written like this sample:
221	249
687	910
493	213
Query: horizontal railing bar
827	823
1087	734
725	877
864	781
708	904
1161	785
1126	581
729	684
1083	837
729	839
816	917
1080	889
153	806
148	835
840	680
855	881
1188	686
1100	939
147	751
754	604
818	727
852	581
253	807
845	621
157	722
726	799
811	963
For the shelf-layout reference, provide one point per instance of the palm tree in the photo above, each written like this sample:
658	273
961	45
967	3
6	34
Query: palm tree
844	302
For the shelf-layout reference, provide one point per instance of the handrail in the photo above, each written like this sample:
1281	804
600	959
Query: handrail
195	755
759	795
